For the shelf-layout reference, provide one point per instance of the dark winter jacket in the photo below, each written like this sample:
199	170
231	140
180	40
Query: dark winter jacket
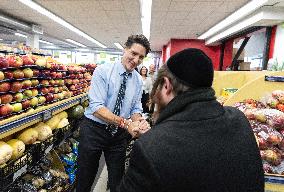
197	145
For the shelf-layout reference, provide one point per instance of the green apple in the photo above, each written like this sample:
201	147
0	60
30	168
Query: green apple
28	93
34	101
17	107
41	99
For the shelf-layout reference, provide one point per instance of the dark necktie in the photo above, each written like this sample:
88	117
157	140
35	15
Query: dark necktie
121	93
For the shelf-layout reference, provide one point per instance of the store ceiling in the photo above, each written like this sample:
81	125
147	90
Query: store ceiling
111	21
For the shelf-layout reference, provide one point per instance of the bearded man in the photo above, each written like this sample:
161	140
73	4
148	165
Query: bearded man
196	144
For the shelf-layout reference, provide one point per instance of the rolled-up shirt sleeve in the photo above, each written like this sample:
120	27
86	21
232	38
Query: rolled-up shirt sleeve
98	91
137	106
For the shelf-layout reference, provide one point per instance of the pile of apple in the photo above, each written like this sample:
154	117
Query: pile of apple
267	121
77	80
90	67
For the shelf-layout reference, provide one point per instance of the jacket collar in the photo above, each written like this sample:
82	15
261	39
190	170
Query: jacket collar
179	103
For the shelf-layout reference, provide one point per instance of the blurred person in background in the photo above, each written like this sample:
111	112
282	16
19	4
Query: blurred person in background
196	144
146	87
114	110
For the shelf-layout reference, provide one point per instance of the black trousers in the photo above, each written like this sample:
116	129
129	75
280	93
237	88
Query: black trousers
144	101
94	140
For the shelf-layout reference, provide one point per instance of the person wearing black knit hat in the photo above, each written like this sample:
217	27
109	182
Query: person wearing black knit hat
196	144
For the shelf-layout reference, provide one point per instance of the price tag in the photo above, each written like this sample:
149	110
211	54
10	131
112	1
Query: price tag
48	149
274	78
20	172
46	115
83	99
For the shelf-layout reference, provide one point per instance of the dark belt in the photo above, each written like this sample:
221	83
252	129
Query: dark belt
100	125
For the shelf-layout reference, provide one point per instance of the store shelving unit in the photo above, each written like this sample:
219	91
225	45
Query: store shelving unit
19	122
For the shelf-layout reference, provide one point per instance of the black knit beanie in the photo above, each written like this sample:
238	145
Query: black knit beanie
192	67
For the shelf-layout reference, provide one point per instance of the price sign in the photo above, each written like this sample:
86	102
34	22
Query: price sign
83	99
47	115
48	149
274	78
20	172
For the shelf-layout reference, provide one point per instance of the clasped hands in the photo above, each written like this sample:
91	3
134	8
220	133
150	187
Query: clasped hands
139	127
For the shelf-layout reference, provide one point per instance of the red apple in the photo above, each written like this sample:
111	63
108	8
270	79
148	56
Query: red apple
49	97
26	104
34	92
6	110
17	107
16	86
28	72
18	74
7	98
44	82
35	82
60	89
56	82
19	62
18	97
11	60
59	75
36	72
27	60
44	90
27	84
51	89
53	74
5	86
3	62
55	97
45	73
8	75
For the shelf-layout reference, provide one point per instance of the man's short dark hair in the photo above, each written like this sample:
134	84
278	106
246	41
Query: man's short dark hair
140	39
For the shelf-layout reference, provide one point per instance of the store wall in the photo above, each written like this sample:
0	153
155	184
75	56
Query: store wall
279	41
213	52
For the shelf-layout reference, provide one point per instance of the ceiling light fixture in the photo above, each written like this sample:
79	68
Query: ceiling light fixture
237	15
46	42
13	22
118	45
242	25
21	35
75	42
1	39
146	9
57	19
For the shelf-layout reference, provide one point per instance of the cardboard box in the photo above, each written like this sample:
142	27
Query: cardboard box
244	66
242	55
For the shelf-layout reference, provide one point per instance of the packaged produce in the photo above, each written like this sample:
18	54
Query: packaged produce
28	136
44	131
18	147
6	152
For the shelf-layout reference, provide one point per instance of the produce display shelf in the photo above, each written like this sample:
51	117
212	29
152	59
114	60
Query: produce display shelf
19	122
274	183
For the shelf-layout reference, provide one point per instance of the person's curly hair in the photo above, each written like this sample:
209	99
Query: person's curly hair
140	39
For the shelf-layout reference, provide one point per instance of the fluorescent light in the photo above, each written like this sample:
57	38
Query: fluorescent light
237	15
118	45
13	21
244	24
57	19
46	42
146	9
1	39
75	42
21	35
